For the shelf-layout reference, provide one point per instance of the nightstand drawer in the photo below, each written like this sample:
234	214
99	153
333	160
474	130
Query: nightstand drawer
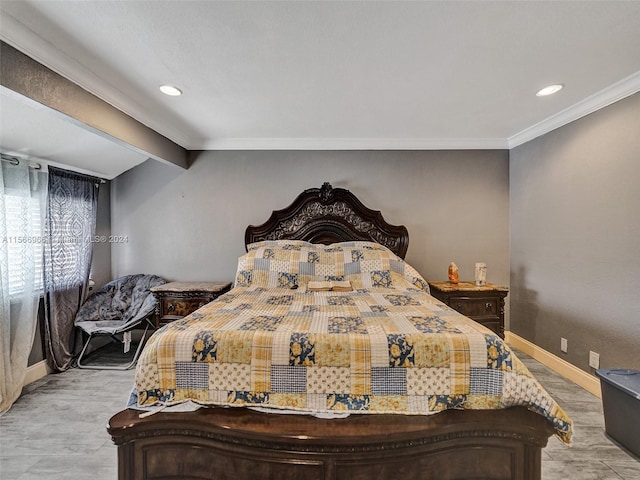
493	325
484	304
179	299
475	307
181	307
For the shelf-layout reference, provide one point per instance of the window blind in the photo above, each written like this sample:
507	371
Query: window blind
24	242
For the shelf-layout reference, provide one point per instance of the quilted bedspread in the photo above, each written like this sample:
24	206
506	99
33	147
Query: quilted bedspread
386	347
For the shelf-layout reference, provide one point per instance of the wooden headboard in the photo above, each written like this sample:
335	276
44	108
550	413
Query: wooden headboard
328	215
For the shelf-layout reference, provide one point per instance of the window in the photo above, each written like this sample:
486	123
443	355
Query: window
24	242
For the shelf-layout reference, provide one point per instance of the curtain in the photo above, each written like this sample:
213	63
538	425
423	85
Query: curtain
22	201
70	226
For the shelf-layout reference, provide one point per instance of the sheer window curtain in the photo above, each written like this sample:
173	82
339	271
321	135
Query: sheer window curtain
70	226
22	202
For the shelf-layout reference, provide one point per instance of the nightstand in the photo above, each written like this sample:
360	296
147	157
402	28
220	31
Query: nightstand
179	299
484	304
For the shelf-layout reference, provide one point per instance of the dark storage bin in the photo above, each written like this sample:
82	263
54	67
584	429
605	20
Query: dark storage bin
621	404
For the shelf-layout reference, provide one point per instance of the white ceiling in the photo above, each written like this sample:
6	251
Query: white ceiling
33	133
338	75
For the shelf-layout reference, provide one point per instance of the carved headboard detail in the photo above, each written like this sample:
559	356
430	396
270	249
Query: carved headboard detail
328	215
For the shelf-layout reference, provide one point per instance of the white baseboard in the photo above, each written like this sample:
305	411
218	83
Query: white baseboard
36	372
569	371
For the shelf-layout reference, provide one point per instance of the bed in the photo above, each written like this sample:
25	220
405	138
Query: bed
381	382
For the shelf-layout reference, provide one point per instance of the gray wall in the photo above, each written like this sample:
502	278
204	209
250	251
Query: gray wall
189	225
101	262
575	237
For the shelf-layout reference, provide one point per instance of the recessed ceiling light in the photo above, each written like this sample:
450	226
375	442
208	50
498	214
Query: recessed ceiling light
550	90
170	90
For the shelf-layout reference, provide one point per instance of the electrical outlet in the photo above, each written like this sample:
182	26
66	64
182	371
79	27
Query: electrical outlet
594	359
563	345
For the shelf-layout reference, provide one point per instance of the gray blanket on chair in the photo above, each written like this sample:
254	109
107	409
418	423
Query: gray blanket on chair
118	305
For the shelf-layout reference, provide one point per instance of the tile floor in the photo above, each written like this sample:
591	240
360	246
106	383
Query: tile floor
52	433
593	455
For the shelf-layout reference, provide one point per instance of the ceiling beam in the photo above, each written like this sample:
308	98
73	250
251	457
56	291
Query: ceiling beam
34	82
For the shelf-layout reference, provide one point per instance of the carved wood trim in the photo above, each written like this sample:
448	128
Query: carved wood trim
327	215
370	442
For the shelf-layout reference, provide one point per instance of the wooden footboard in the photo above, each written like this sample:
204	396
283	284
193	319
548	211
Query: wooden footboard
237	443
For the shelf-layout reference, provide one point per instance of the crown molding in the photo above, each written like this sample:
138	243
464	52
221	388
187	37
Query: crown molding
354	144
622	89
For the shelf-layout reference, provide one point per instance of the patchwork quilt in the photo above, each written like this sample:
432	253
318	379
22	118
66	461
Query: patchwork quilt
387	347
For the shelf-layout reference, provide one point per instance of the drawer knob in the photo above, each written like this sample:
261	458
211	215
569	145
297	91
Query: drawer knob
458	306
488	306
171	307
201	304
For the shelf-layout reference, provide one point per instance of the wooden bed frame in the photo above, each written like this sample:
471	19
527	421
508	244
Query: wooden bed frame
239	443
